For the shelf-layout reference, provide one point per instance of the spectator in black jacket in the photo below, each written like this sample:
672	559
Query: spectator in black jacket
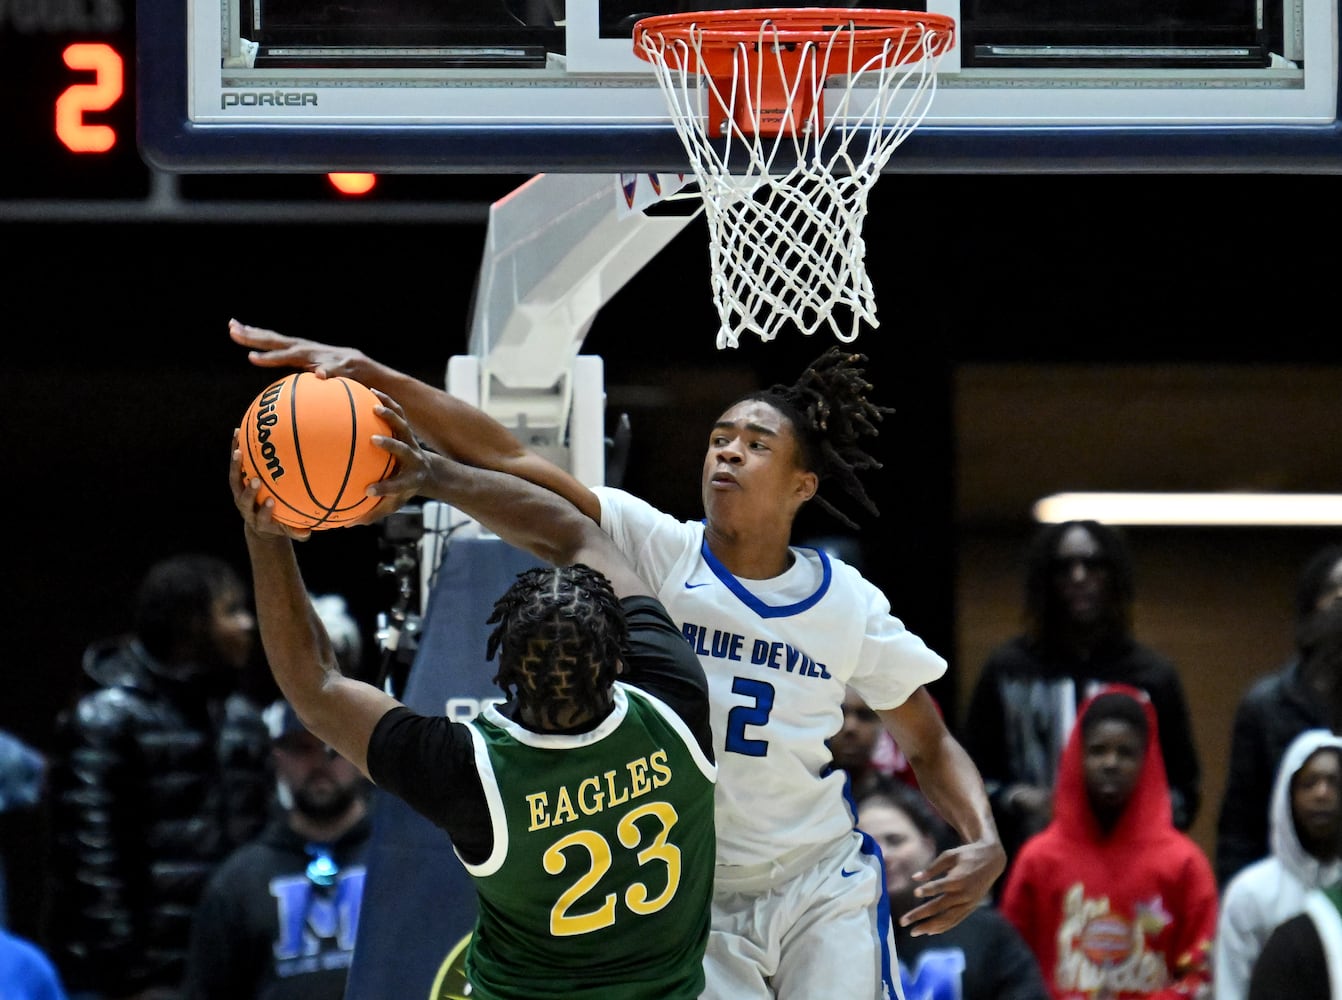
1277	709
158	772
1077	636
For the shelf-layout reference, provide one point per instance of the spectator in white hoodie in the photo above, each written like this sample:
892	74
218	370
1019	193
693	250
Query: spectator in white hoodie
1305	817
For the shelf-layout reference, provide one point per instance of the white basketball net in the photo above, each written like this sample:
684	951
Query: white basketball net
785	212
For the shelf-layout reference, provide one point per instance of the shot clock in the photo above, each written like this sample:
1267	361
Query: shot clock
67	70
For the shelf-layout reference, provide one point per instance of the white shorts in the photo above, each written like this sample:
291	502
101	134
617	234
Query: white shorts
815	924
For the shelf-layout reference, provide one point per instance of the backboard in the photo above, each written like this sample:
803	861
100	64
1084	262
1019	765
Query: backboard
528	85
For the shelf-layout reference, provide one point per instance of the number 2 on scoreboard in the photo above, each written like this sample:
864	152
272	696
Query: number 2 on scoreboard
106	89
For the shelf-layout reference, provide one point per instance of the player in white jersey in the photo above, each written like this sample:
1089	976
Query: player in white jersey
798	897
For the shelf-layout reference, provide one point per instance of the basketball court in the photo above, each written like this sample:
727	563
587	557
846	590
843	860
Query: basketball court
636	119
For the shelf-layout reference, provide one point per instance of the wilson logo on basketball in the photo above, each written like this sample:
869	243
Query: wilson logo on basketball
266	418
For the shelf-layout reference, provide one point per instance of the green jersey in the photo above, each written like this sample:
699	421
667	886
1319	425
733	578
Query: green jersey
604	842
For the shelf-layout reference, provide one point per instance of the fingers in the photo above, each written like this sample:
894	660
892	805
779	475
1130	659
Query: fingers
403	446
392	412
407	478
952	886
405	453
940	912
255	336
245	492
241	331
258	516
235	469
936	916
271	349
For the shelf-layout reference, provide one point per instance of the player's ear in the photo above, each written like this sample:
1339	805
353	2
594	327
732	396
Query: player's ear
807	484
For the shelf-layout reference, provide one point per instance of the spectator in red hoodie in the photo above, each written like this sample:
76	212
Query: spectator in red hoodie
1114	901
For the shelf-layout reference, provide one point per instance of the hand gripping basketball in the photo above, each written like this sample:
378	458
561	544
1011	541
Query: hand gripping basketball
309	441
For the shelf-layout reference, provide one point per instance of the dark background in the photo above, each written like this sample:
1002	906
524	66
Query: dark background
120	386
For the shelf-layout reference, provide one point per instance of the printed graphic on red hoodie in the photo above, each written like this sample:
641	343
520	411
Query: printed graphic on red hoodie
1117	915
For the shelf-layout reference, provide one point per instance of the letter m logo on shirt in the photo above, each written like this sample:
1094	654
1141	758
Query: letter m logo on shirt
308	915
939	975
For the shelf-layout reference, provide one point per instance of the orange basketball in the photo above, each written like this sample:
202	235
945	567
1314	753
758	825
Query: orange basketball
309	441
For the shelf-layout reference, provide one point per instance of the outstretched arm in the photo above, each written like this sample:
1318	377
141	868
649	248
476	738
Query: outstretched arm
959	879
338	710
447	424
520	512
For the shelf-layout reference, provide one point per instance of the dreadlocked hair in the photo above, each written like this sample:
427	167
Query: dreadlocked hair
560	632
829	410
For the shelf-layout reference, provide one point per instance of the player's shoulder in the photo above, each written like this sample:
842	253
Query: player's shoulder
654	541
614	498
620	504
645	612
844	578
654	636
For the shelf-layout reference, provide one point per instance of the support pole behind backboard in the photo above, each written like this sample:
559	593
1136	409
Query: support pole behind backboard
557	249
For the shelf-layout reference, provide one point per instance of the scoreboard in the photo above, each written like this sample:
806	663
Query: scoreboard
67	75
70	146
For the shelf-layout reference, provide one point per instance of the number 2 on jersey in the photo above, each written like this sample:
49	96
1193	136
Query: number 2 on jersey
754	714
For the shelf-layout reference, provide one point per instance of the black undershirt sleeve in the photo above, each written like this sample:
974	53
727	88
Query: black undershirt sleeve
429	762
662	662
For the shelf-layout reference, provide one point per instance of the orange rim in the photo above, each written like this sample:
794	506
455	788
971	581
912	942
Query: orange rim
865	32
723	45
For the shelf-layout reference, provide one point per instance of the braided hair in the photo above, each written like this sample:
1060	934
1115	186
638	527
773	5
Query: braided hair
560	632
829	411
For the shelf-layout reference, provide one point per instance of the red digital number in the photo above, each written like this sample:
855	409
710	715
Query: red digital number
106	89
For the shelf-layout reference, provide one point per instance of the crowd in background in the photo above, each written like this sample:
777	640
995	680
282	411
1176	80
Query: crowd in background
1083	736
204	844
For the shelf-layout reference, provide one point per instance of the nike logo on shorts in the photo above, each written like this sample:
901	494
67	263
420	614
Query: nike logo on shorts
846	873
691	586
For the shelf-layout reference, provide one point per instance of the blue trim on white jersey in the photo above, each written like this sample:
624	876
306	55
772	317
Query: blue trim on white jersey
884	925
753	602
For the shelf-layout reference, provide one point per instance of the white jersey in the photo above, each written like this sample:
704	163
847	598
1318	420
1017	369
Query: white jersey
778	654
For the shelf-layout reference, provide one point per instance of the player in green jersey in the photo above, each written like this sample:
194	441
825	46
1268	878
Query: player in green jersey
583	806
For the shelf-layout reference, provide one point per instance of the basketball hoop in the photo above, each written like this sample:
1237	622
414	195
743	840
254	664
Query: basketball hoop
784	184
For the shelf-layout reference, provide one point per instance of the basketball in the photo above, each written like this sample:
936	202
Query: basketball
309	441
